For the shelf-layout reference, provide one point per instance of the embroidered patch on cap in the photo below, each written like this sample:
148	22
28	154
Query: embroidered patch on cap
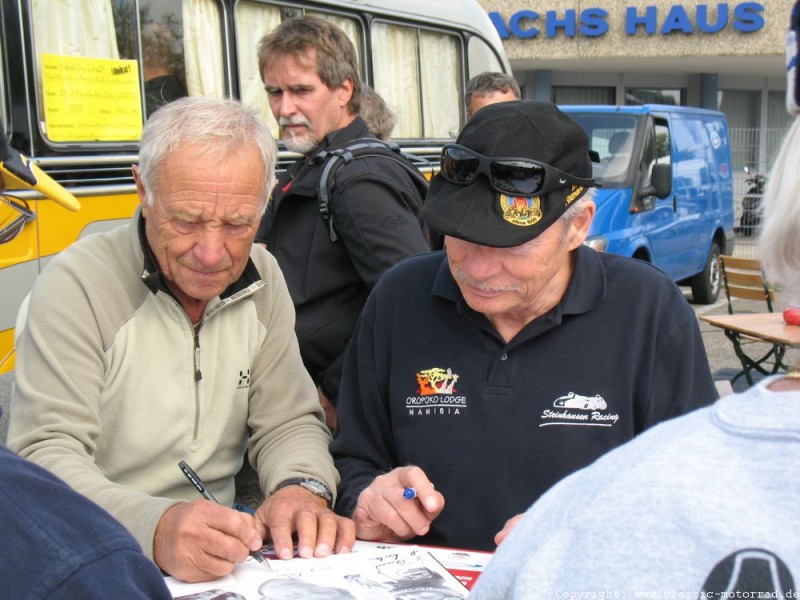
577	190
521	210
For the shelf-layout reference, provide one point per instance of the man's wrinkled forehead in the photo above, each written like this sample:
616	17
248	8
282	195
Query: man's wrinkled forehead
303	57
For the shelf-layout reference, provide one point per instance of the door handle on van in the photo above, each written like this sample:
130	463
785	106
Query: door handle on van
675	203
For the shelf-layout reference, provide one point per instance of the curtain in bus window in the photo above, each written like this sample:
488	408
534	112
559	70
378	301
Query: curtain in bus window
395	68
441	92
74	28
202	48
82	28
254	21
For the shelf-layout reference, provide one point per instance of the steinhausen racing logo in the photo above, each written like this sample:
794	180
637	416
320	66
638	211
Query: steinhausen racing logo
436	394
574	409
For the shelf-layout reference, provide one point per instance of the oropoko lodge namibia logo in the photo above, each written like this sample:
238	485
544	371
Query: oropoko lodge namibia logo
436	394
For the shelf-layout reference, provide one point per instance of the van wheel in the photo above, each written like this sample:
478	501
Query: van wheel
705	285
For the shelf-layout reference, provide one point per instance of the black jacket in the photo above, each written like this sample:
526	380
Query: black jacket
375	206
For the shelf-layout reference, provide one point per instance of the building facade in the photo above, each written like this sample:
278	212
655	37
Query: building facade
729	56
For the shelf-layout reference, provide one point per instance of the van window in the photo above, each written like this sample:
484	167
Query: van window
612	136
423	85
691	167
656	150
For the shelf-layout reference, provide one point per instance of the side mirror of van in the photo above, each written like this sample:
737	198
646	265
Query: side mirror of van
660	181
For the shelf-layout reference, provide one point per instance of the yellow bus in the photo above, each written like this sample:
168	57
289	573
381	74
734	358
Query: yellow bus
79	78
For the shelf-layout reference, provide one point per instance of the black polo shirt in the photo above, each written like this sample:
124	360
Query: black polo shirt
428	381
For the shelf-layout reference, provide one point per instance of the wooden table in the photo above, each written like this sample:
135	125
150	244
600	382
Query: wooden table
767	327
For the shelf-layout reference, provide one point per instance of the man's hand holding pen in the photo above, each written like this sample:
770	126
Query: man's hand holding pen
202	540
387	511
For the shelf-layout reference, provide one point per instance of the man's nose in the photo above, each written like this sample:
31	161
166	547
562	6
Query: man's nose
481	263
210	246
288	107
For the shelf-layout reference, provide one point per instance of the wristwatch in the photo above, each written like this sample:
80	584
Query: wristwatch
315	486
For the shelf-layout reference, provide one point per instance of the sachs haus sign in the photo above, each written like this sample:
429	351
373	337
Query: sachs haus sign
745	17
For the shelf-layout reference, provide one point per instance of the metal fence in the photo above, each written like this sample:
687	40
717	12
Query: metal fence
753	151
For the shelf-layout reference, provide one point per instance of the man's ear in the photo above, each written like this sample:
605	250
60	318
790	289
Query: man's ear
346	92
139	187
581	223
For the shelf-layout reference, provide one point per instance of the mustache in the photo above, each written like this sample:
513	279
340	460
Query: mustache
284	122
482	285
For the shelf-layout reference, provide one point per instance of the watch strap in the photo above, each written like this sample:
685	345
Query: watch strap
315	486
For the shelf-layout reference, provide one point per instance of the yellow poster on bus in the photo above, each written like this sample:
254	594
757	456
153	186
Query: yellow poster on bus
91	99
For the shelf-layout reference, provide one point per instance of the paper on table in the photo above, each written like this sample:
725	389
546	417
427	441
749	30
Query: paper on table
394	573
465	565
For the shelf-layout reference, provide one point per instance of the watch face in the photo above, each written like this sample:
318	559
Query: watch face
318	488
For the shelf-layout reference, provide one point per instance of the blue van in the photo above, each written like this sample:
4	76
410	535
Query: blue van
667	189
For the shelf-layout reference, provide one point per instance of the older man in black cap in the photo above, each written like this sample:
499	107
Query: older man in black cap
517	356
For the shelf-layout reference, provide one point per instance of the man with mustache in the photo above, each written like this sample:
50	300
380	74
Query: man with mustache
519	355
310	72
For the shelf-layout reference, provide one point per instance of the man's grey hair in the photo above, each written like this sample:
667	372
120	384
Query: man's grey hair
489	82
779	241
211	126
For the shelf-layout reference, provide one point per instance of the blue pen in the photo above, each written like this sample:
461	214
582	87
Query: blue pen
201	487
409	493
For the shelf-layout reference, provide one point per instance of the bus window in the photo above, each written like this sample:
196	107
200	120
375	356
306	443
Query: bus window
84	28
180	44
351	29
253	21
3	113
411	64
482	58
163	70
202	46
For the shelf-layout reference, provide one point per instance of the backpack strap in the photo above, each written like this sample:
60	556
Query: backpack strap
361	148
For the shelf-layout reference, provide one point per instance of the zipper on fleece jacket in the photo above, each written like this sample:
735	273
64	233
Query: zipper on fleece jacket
198	375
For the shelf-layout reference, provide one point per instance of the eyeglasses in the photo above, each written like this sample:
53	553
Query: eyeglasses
513	176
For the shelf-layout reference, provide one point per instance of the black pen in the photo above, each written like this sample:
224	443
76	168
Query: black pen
201	487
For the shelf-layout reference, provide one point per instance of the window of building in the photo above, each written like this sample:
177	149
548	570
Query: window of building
778	123
742	109
567	94
636	96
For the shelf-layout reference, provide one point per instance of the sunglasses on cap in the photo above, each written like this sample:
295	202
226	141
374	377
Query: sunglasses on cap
512	176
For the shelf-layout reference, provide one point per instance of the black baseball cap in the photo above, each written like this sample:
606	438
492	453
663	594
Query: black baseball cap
524	129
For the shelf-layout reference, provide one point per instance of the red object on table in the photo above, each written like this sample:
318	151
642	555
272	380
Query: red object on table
791	315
